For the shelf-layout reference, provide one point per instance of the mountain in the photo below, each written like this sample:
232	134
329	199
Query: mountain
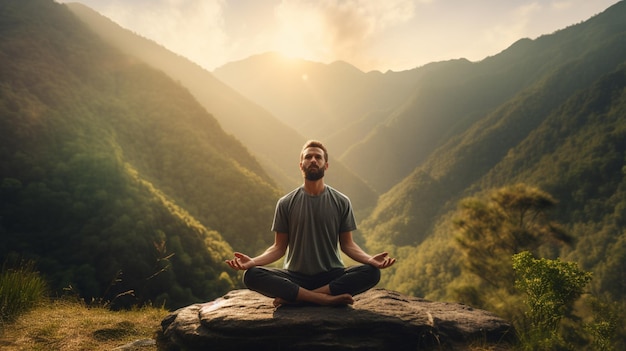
563	132
275	144
114	179
331	100
352	108
340	102
399	118
450	100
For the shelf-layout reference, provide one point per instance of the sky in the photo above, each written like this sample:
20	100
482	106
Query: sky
370	34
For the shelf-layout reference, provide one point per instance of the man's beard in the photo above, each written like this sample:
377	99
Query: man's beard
313	173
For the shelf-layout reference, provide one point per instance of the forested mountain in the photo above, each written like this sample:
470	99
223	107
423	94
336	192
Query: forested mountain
275	144
113	179
564	132
450	101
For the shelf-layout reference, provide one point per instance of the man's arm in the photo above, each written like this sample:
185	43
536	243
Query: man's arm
354	251
272	254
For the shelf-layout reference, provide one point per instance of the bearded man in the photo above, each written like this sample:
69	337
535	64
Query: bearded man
311	224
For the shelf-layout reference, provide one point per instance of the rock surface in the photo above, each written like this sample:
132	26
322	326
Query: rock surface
379	320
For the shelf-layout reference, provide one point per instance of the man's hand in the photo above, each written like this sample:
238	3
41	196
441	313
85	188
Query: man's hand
241	262
382	260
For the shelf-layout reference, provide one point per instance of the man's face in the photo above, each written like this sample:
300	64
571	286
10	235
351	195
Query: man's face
313	164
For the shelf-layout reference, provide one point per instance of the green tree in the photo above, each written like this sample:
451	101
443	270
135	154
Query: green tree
551	287
510	220
606	325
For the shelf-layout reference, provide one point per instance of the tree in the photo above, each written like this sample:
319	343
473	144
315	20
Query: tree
512	219
551	287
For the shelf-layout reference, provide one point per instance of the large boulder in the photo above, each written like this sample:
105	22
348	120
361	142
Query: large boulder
379	320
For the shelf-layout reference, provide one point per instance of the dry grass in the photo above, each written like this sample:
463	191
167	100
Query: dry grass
71	326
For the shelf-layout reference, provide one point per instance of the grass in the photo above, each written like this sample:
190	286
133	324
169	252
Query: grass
72	326
20	290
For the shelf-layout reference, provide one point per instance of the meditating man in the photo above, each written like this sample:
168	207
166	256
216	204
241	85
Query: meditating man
311	223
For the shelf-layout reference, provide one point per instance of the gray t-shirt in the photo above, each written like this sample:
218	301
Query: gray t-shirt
313	223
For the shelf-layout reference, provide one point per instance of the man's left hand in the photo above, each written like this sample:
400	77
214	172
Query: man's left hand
382	260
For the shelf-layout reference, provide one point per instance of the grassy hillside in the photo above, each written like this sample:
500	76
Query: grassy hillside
72	326
114	179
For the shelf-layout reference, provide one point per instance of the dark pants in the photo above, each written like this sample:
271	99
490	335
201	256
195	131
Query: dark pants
274	282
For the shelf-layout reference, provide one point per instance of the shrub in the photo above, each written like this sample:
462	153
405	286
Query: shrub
21	289
551	287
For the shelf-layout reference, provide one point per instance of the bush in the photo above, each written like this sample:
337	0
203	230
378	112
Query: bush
21	289
551	287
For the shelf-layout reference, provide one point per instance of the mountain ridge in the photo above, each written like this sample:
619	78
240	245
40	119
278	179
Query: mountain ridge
273	143
563	134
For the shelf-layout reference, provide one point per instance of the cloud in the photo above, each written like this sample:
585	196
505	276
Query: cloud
192	28
513	25
370	34
561	5
332	28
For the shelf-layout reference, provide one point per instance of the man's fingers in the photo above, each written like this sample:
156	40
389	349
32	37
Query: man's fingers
387	261
235	263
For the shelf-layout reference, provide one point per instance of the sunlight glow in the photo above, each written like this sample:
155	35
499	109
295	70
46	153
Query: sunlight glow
369	34
300	31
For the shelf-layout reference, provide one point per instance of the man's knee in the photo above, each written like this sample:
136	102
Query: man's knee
373	273
251	276
357	279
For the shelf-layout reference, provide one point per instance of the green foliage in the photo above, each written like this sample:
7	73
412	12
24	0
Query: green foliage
21	289
551	287
559	125
401	208
113	178
606	325
512	219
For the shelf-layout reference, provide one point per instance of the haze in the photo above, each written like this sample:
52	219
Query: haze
372	35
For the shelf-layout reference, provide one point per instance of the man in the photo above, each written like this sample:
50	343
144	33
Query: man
310	223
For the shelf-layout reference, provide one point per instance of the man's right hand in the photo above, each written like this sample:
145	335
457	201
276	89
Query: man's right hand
241	262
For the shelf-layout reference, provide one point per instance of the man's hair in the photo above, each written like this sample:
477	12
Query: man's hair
314	143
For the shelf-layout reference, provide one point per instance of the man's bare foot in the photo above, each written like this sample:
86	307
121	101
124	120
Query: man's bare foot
338	300
280	302
318	299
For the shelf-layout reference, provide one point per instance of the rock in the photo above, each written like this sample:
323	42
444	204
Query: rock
136	345
379	320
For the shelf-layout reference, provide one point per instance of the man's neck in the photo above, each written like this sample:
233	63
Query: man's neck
314	187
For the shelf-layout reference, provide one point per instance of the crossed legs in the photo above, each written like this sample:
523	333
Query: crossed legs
335	287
